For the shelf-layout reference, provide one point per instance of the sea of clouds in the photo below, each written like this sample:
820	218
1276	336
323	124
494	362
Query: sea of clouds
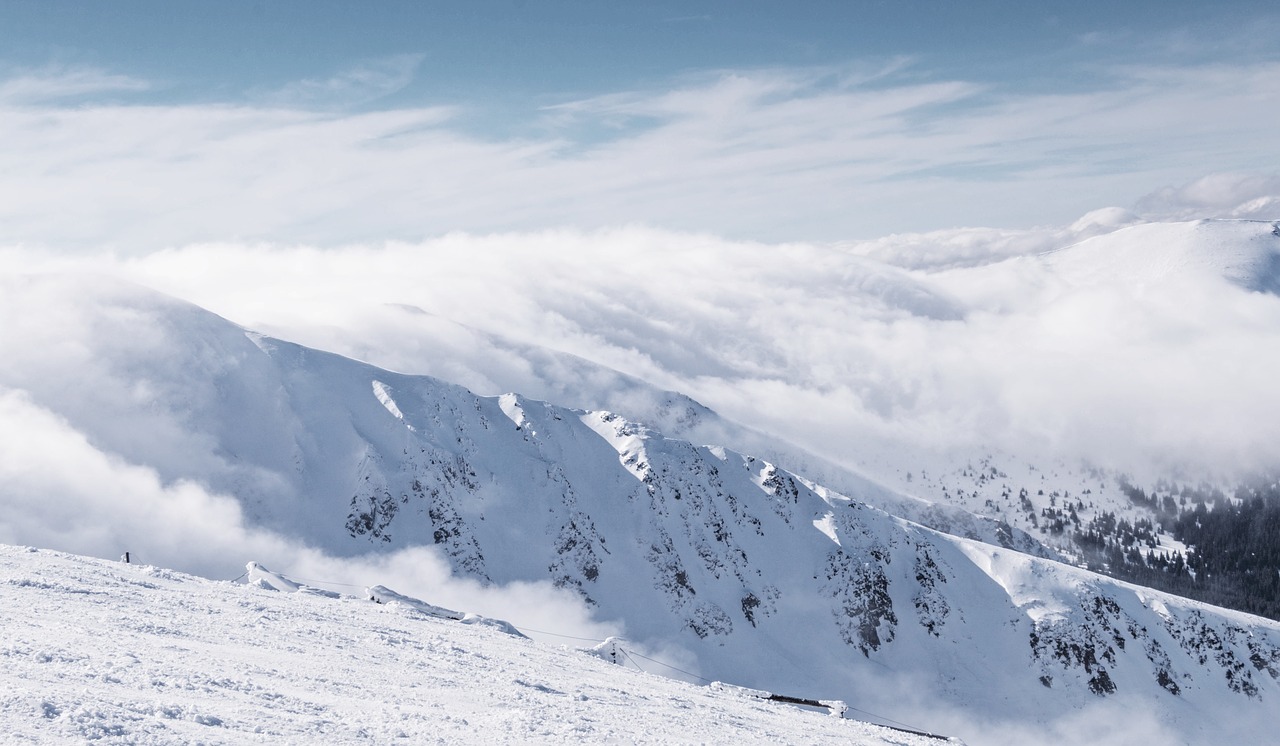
1142	368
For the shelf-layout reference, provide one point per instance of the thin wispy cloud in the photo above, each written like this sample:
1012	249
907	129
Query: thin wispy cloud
1235	195
359	85
53	84
772	154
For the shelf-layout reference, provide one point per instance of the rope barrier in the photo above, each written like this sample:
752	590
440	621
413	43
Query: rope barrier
668	665
904	726
556	634
327	582
627	655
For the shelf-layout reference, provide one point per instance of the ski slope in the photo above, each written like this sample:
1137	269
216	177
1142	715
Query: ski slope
103	652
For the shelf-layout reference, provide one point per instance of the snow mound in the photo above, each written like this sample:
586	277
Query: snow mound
257	575
383	595
498	624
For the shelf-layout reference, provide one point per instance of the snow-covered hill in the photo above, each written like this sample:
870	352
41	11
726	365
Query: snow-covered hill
735	567
102	652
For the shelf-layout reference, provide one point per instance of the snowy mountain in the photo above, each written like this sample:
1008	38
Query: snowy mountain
736	568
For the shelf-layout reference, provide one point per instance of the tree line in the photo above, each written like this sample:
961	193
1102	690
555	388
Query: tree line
1233	544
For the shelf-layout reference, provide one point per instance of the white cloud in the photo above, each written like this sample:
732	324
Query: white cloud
361	84
1235	195
774	154
966	247
48	85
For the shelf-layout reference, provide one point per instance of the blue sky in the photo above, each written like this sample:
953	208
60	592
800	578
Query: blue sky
325	121
478	51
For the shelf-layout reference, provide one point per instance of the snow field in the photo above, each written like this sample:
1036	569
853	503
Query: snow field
112	653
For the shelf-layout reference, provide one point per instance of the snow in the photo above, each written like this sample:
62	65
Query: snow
111	653
264	578
826	524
